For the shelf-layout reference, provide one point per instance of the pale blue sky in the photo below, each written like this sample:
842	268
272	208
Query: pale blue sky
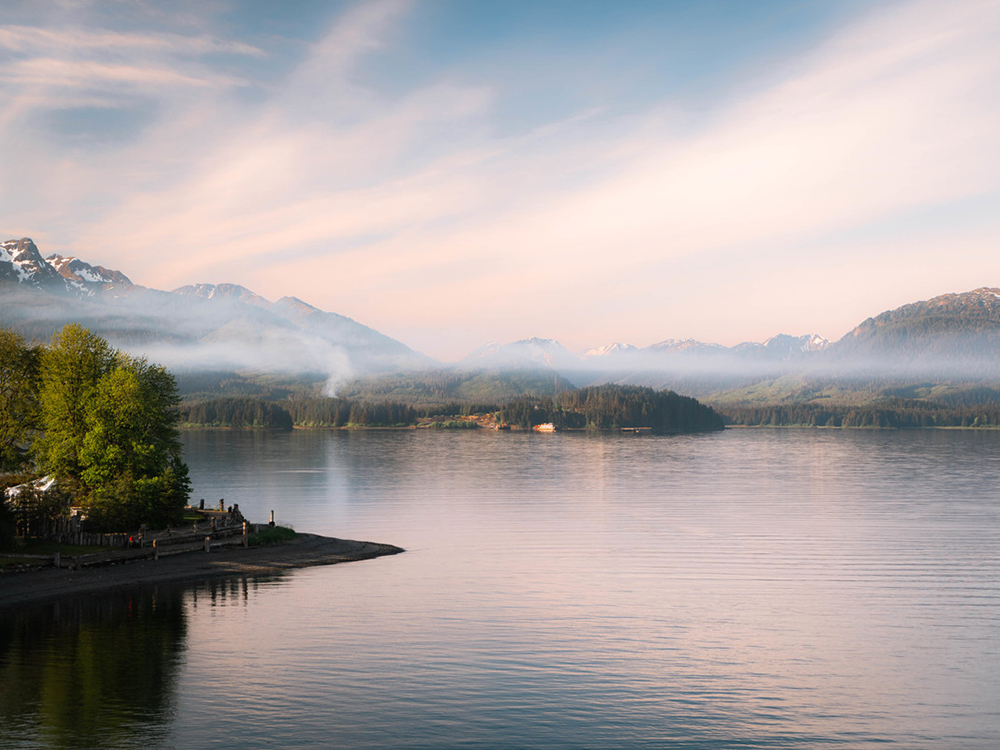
453	172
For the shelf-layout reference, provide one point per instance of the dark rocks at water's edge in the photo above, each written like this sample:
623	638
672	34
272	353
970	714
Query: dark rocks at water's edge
306	550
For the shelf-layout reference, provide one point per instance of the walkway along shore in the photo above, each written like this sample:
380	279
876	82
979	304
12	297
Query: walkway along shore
191	564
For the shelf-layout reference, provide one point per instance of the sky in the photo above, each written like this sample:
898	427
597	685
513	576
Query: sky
454	172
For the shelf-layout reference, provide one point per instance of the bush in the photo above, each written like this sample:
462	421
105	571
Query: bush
271	535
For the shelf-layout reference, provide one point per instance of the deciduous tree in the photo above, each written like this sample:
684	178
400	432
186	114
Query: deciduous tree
18	399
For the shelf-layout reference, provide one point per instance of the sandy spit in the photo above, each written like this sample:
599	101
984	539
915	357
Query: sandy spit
17	589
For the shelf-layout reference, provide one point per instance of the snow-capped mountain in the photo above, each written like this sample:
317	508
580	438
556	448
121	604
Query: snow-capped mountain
685	346
21	263
526	353
196	327
223	291
86	277
614	349
227	326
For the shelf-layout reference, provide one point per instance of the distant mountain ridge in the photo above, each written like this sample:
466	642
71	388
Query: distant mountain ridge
203	327
549	353
195	327
952	336
963	326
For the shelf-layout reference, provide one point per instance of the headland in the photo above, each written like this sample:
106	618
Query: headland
305	550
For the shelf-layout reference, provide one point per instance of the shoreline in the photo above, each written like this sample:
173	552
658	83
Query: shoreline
306	550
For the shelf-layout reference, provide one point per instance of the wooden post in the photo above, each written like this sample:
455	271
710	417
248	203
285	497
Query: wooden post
246	539
156	551
208	544
56	562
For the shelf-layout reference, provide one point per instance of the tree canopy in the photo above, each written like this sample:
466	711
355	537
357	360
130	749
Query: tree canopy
106	427
18	399
612	406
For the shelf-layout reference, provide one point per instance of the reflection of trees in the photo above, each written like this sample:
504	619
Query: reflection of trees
91	673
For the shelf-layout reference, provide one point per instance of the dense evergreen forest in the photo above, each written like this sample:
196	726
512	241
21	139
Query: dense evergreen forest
893	413
597	407
317	412
611	407
604	407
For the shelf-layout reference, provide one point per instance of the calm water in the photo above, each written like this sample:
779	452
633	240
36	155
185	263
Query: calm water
749	589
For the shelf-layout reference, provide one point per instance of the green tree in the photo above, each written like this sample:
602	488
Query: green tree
18	399
131	453
71	368
111	434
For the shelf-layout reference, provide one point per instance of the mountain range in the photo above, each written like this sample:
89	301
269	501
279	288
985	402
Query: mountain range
201	327
228	328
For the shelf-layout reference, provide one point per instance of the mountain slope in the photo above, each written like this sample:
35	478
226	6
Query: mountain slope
197	327
22	264
951	333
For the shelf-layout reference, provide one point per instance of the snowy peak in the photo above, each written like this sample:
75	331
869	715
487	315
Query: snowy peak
686	346
74	269
785	346
223	292
527	353
616	348
21	263
293	307
815	343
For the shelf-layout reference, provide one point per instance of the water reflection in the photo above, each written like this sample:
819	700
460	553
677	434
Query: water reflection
92	672
781	589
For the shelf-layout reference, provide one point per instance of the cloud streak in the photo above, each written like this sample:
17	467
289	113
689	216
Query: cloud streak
409	211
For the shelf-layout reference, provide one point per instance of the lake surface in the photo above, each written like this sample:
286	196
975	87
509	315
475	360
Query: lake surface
746	589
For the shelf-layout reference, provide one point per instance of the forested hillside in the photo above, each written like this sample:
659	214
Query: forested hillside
609	407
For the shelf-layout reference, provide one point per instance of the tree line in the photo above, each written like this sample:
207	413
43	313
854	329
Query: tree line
609	407
887	413
101	422
248	412
595	407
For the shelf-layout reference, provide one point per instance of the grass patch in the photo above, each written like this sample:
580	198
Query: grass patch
271	535
50	548
9	559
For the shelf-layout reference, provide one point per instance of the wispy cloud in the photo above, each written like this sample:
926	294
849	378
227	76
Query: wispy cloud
33	40
409	206
84	74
